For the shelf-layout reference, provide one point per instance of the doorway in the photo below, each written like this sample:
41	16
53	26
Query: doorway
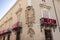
48	35
18	35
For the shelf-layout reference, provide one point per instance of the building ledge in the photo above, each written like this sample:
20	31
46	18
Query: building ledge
44	5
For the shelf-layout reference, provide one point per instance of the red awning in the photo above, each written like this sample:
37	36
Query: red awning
6	30
49	21
1	32
15	25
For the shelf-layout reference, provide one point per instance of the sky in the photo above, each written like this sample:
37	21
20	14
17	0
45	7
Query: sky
5	5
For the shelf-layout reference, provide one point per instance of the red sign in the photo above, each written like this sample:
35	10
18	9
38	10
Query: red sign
53	22
45	20
49	21
15	25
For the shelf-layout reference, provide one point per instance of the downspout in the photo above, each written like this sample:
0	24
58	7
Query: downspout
55	12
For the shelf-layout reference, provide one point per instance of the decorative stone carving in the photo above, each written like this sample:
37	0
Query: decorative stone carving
45	6
30	19
31	32
30	16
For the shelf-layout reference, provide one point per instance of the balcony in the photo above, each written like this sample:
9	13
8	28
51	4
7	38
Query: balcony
47	22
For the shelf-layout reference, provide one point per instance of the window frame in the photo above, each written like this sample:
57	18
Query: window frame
44	9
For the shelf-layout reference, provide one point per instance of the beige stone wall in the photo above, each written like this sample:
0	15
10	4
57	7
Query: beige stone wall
19	10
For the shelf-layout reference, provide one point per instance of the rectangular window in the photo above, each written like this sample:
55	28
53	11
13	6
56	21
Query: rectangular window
18	17
45	14
59	29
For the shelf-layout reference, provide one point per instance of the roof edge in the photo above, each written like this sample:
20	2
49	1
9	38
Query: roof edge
9	10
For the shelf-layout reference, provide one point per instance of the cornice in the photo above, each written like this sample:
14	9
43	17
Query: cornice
45	6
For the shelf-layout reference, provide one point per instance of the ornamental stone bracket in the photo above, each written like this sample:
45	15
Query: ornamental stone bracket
19	10
31	32
45	6
30	16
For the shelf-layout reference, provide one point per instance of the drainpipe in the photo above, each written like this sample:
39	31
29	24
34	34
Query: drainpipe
55	12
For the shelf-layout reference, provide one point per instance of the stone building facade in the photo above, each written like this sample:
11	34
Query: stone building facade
31	20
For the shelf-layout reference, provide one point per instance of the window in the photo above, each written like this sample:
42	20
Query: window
18	18
45	13
59	29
